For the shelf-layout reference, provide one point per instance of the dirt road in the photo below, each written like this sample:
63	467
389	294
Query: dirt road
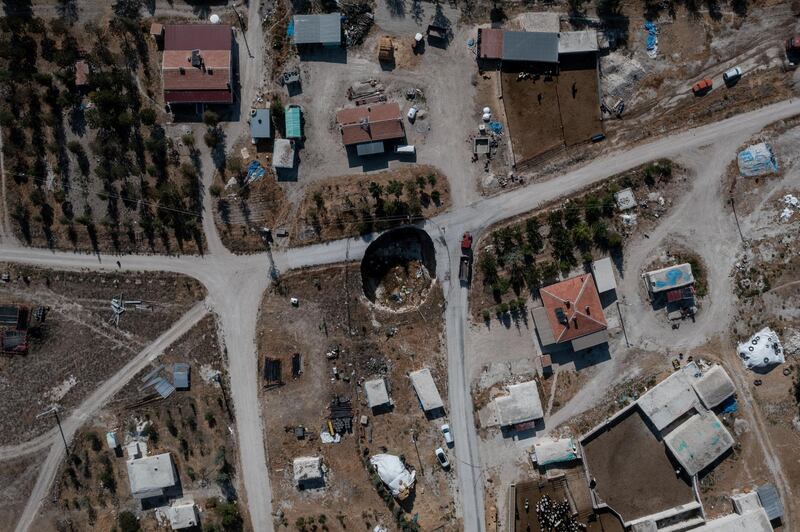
95	402
235	285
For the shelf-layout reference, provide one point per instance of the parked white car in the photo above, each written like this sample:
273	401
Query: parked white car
732	75
448	436
442	457
412	113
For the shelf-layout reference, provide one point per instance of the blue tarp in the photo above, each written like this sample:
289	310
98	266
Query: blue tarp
652	35
496	127
254	172
730	406
290	29
756	160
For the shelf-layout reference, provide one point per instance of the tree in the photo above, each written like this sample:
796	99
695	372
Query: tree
215	190
278	113
395	188
582	236
532	234
147	116
234	164
488	267
375	190
436	198
210	118
128	522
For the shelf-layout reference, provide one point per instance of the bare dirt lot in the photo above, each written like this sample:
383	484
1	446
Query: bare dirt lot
635	476
17	478
332	313
76	348
548	112
192	425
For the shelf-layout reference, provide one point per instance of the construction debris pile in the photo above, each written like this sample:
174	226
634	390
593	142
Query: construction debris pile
394	474
358	20
340	419
367	92
792	204
404	285
555	516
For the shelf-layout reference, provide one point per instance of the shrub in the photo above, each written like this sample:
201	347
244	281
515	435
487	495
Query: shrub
127	522
147	116
210	118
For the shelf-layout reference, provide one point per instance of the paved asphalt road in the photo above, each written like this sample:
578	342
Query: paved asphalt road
236	284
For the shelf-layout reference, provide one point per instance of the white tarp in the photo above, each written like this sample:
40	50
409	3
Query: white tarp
394	474
548	451
762	349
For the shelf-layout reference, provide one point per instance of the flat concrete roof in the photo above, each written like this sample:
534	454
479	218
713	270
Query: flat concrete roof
182	514
603	272
714	387
590	340
669	278
671	398
428	394
752	521
149	476
542	324
699	441
307	468
572	42
260	127
283	154
520	405
377	394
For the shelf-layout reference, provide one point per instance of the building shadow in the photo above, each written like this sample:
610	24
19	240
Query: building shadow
563	354
323	54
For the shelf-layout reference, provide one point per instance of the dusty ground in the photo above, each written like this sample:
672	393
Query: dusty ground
77	348
18	477
193	426
534	120
379	343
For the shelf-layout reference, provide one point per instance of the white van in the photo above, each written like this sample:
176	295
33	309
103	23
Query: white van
405	148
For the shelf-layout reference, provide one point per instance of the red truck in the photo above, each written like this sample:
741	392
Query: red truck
465	266
702	87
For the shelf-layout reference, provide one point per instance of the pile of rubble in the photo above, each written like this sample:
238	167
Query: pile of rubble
358	21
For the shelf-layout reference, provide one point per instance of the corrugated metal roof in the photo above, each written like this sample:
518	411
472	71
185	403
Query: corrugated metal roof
771	501
164	388
260	125
198	96
539	47
490	43
370	148
294	129
180	376
318	29
197	36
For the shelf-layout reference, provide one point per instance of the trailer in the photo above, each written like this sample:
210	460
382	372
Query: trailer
465	269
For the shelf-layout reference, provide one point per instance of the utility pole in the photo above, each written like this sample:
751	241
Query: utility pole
414	439
623	325
54	410
736	217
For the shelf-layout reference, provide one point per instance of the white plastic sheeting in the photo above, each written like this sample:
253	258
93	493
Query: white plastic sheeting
548	452
394	474
762	349
792	205
756	160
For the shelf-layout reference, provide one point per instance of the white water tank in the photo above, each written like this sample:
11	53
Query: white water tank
214	18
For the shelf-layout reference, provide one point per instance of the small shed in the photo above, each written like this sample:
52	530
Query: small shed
293	119
180	376
150	476
370	148
260	127
671	398
604	275
317	29
283	154
308	473
521	405
771	501
549	451
111	440
669	278
81	73
714	387
377	394
428	394
182	514
157	31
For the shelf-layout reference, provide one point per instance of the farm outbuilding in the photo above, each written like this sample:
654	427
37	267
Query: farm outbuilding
260	125
669	278
698	442
318	29
308	472
182	514
283	154
370	123
428	394
521	405
151	476
603	273
529	46
293	119
714	387
377	394
670	398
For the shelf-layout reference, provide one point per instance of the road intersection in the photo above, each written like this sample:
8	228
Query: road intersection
236	284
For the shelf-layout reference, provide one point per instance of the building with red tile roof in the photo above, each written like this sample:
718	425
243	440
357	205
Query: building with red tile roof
571	312
196	65
370	123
